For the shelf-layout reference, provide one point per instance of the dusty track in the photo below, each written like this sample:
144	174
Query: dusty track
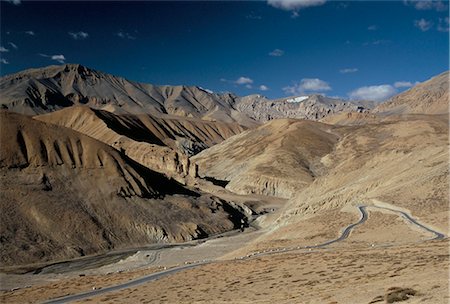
344	235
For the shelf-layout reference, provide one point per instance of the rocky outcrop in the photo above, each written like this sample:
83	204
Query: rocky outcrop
160	159
311	107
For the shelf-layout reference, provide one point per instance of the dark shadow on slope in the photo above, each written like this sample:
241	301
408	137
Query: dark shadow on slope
217	182
158	181
135	130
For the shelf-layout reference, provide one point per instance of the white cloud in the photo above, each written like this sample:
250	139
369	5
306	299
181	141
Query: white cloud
3	49
13	45
125	35
294	5
58	58
372	27
375	93
277	53
443	25
31	33
248	86
15	2
4	61
79	35
307	84
314	84
263	88
422	5
244	80
423	25
348	70
403	84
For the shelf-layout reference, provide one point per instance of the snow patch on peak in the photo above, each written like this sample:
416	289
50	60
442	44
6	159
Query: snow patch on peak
206	90
297	99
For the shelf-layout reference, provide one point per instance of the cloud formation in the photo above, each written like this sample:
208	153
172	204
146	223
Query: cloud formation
423	25
403	84
314	84
79	35
263	88
375	93
125	35
58	58
4	61
348	70
3	49
15	2
443	25
307	85
276	53
423	5
14	46
294	5
244	80
372	27
31	33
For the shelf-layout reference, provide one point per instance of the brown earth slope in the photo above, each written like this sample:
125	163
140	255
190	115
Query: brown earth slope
42	90
161	143
429	97
403	162
278	158
65	194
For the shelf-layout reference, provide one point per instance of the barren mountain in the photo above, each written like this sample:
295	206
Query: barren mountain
37	91
312	107
278	158
402	162
323	166
351	118
65	194
162	143
429	97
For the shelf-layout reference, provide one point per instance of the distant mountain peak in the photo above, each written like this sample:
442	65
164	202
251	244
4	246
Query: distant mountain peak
43	90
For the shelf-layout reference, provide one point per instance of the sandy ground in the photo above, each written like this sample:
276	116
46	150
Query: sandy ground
383	253
324	276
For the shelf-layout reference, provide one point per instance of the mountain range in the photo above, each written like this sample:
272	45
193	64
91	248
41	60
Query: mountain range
115	164
38	91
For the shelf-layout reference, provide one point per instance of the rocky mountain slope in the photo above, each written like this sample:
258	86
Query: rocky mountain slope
401	161
311	107
64	194
429	97
37	91
161	143
43	90
279	158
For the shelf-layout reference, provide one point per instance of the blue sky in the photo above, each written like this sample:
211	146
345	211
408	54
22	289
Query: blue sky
351	49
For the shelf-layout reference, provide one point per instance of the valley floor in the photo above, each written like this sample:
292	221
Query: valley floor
382	256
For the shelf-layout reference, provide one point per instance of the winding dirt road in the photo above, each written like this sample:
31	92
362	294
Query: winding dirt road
155	276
